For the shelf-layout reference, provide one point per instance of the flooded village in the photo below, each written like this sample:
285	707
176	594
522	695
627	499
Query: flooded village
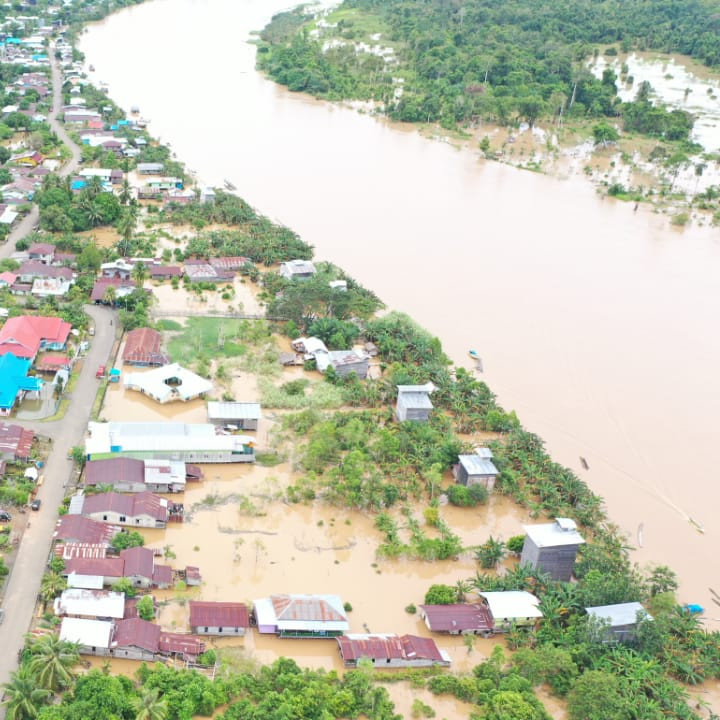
235	484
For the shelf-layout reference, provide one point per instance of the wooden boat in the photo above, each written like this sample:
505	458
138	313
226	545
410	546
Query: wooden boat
229	185
584	463
474	354
92	68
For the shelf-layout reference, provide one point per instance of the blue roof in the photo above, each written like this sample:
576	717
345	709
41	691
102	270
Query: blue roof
77	184
13	379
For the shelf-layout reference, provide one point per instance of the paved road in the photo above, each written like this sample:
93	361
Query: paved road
24	582
30	221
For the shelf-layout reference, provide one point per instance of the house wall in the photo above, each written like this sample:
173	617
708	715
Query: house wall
115	518
359	368
404	413
267	629
395	663
224	631
559	562
133	653
487	480
191	456
98	651
140	581
129	487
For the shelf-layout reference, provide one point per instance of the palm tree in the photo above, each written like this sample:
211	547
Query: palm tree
150	706
23	697
125	194
51	661
110	295
462	588
51	586
490	553
126	226
94	186
139	273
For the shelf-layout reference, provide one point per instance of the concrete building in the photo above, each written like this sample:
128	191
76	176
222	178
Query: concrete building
552	547
301	616
142	510
136	476
243	416
91	604
167	383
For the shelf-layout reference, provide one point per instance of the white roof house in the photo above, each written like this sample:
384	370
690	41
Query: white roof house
297	269
94	603
88	582
555	534
102	173
618	615
168	382
191	442
301	614
87	633
512	605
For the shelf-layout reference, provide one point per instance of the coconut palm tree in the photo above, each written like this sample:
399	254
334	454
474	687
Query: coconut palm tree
110	295
23	698
51	661
125	194
149	705
126	226
51	586
139	273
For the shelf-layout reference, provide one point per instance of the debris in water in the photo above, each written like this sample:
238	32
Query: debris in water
584	463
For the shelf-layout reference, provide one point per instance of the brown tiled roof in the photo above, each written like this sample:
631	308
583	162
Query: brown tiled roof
181	644
458	617
144	345
218	614
114	470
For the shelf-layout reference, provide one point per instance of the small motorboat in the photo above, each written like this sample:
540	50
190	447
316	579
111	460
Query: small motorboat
474	354
228	185
694	609
584	463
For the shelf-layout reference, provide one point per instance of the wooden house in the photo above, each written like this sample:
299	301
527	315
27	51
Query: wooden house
413	402
219	618
552	547
512	608
476	469
620	621
458	619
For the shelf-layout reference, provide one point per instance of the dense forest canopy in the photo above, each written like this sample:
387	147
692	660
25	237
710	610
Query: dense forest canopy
507	60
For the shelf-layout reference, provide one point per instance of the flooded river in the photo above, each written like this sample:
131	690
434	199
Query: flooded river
595	323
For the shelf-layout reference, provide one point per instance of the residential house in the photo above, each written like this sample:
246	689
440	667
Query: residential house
391	651
218	618
138	639
120	268
91	604
552	547
207	195
15	382
29	158
41	252
7	279
162	272
203	271
8	214
32	269
76	529
194	443
344	362
512	608
150	168
130	475
167	383
139	510
52	363
92	637
301	616
143	347
413	402
297	269
25	335
121	289
15	443
137	564
458	619
619	622
51	287
243	416
476	469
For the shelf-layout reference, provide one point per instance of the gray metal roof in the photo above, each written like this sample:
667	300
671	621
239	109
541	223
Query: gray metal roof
476	465
619	614
553	535
415	400
233	411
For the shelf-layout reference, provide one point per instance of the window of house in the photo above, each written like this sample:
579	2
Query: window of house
123	518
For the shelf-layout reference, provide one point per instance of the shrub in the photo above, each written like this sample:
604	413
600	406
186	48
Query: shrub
440	595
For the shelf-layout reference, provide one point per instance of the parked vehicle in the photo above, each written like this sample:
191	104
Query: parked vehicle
36	504
5	516
100	372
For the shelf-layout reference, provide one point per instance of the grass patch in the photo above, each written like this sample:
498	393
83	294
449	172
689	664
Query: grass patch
268	459
208	338
320	396
66	398
171	325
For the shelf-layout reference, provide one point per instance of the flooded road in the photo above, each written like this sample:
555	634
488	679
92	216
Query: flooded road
595	323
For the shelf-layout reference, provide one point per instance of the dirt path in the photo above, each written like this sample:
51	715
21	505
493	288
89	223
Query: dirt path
24	582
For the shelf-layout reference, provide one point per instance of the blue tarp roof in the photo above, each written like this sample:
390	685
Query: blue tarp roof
13	379
77	184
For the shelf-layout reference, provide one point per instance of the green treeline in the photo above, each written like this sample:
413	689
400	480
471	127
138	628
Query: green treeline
503	61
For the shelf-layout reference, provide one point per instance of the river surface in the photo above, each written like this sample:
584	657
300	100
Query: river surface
597	324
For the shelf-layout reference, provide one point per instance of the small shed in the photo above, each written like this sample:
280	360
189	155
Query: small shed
620	621
476	469
245	416
552	547
413	402
207	195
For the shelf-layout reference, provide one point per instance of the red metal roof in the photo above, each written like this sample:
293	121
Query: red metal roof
162	575
114	470
388	647
138	561
102	284
15	440
84	530
22	335
68	551
457	617
313	608
144	345
218	614
180	644
135	632
105	567
144	503
52	362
